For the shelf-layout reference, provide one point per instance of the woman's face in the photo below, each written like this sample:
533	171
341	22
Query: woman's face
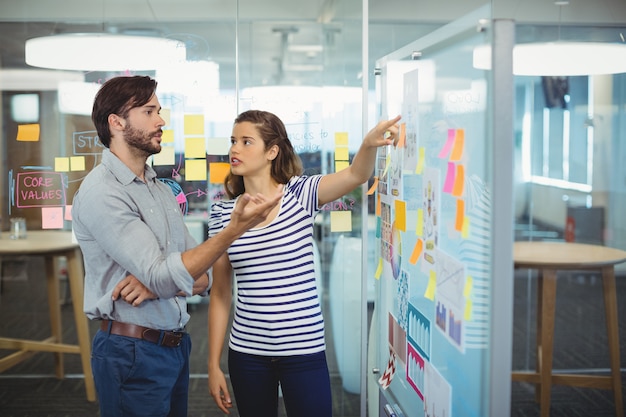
247	151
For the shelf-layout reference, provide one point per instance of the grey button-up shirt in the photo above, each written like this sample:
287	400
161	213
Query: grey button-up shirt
127	226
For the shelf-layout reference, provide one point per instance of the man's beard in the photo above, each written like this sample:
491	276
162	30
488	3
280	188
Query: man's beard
141	141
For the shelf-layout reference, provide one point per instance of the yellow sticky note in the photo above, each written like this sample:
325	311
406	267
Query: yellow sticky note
168	136
373	187
419	168
218	172
466	227
341	138
387	164
62	164
166	116
52	217
218	146
417	251
432	286
419	226
167	156
341	153
28	133
400	207
340	165
77	163
467	290
195	170
194	148
467	316
340	221
379	269
194	124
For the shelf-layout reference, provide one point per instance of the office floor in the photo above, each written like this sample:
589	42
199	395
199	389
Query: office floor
30	389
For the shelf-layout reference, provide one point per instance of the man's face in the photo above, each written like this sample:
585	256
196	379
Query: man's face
143	127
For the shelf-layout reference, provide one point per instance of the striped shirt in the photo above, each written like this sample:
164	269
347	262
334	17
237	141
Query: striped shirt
277	310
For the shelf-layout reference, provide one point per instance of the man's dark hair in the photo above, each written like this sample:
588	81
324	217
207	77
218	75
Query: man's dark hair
117	96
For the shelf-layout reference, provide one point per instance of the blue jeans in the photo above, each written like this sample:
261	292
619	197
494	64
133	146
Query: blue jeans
137	378
304	381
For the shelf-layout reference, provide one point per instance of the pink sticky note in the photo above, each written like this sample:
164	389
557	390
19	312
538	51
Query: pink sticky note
450	176
448	145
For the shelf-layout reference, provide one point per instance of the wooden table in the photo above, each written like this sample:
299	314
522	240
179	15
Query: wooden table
548	258
51	245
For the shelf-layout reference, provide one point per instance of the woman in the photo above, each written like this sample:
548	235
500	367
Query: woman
277	336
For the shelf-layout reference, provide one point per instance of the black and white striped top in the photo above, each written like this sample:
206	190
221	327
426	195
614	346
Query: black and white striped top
277	310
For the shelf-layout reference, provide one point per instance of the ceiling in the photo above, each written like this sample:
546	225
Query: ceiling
281	42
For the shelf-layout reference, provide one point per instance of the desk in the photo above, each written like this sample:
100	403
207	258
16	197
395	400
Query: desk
50	245
548	258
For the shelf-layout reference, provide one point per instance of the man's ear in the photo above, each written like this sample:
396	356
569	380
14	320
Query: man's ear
116	122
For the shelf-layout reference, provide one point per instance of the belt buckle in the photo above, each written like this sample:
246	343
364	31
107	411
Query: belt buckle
171	339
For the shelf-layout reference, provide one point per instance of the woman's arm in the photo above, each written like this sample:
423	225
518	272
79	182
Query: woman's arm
332	186
220	301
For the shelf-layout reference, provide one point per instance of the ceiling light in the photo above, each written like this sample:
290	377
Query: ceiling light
102	52
560	58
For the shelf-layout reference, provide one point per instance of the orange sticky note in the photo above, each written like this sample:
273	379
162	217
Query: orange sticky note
218	172
460	214
28	133
373	187
417	251
378	205
195	170
459	181
400	207
459	145
402	138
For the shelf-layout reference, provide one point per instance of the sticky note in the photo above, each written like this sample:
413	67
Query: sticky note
419	226
467	290
432	285
448	185
166	116
341	165
468	310
387	164
194	148
62	164
419	168
459	181
218	172
28	133
341	153
400	208
340	221
167	136
379	226
379	269
373	187
448	145
378	205
417	251
52	217
195	170
460	215
77	163
402	137
466	227
167	156
459	145
194	124
68	212
341	138
218	146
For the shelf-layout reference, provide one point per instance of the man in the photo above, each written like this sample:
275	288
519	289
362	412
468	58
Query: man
140	260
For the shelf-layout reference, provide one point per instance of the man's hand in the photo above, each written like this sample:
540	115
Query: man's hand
252	210
131	290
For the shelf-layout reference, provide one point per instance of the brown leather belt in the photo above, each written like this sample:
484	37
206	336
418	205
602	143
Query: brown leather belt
159	337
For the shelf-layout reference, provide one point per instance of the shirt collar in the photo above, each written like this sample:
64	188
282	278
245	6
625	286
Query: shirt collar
123	174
